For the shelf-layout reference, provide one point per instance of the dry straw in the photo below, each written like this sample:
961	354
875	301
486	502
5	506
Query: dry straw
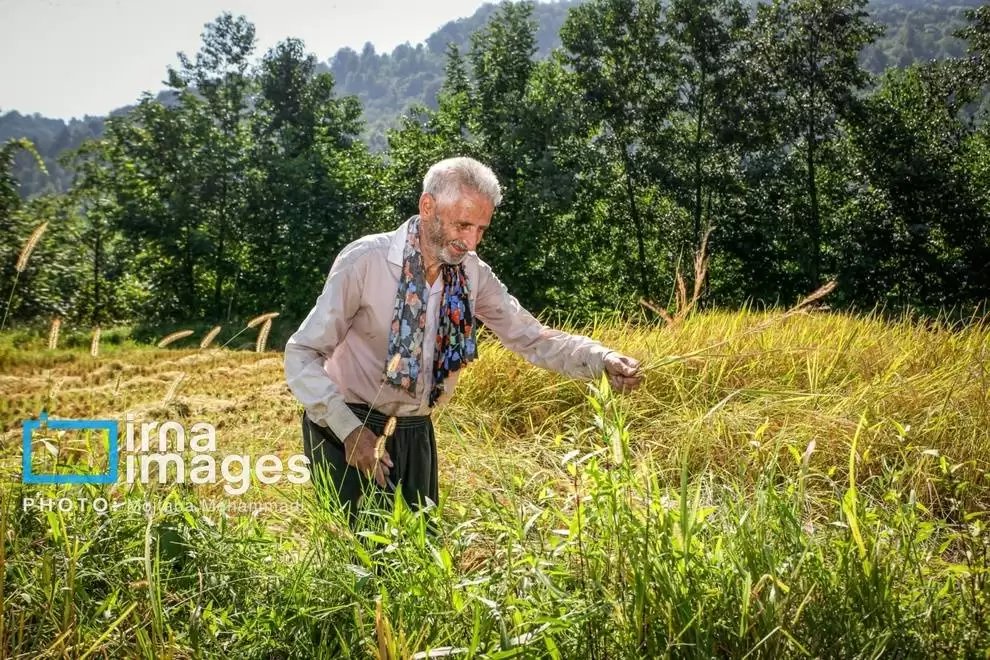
94	347
29	247
261	319
263	336
175	336
21	264
173	388
210	336
53	333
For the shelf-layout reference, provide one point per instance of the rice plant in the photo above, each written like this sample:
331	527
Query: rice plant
810	485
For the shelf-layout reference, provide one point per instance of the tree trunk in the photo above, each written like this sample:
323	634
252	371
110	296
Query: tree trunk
97	249
814	229
698	185
644	288
220	264
190	274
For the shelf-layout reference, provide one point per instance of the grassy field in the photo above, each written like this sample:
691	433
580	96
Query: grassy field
813	486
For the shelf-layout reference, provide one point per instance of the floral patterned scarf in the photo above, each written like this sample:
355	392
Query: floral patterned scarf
456	336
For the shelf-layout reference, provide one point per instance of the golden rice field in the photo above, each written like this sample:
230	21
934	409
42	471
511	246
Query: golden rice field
807	486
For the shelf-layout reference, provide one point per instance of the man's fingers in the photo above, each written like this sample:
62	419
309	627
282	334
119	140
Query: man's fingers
623	365
387	460
380	475
630	366
625	383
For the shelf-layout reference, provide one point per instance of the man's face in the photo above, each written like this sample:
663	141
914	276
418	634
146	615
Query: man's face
455	226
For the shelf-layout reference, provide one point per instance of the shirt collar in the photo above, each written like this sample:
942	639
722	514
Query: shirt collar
397	246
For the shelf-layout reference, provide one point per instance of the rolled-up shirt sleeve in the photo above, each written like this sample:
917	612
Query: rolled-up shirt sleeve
575	356
315	341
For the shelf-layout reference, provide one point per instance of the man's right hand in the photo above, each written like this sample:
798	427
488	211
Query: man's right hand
359	450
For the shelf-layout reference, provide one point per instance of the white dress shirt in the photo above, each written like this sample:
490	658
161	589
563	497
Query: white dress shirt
339	353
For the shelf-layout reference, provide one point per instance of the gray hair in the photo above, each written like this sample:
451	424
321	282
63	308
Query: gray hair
451	176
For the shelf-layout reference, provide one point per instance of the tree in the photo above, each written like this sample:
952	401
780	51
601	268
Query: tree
623	65
706	40
923	160
977	33
312	184
220	76
810	51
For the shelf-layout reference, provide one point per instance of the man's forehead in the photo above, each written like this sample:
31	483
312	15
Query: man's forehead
466	203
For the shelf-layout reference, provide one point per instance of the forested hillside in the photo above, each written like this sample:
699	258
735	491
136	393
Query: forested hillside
758	138
389	83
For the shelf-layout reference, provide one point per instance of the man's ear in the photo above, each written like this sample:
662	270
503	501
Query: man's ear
427	205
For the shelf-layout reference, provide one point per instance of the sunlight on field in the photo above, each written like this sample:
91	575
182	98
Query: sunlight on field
808	378
845	448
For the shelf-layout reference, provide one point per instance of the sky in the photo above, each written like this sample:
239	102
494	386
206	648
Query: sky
69	58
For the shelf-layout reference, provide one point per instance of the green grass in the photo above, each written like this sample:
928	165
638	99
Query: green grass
815	489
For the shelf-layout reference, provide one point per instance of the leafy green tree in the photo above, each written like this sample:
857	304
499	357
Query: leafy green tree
623	66
918	231
425	137
220	76
977	33
314	187
103	295
809	53
707	43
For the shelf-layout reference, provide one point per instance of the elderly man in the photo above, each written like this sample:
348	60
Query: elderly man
393	328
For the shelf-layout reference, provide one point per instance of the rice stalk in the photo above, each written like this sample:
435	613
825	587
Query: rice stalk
393	364
386	433
53	333
799	308
259	347
21	265
175	336
250	324
53	392
94	347
685	305
210	336
28	248
173	388
3	570
261	319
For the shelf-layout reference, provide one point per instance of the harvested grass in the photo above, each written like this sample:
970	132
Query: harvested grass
257	320
21	266
805	484
32	242
94	346
210	336
53	333
263	336
174	337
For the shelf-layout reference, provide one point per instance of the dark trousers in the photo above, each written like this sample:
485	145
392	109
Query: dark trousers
412	448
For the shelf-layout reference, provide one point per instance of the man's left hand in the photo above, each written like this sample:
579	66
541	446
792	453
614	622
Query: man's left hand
623	372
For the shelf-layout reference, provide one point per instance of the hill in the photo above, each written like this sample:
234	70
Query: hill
389	83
